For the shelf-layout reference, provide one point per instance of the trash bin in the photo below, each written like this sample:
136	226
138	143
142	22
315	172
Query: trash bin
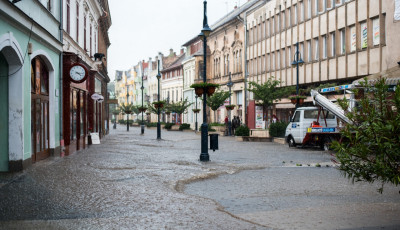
214	141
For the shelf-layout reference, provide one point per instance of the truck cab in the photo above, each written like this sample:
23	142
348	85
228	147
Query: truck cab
305	118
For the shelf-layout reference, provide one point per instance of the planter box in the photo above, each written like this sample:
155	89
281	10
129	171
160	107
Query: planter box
259	133
258	139
239	138
280	140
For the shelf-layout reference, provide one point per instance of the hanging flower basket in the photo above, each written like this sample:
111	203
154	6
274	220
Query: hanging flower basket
200	88
199	91
297	99
196	110
230	107
158	104
142	109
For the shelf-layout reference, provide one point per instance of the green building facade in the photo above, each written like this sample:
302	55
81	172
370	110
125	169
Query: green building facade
30	94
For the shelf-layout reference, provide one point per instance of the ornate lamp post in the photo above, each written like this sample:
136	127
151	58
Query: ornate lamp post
205	32
229	84
297	62
195	126
158	98
142	88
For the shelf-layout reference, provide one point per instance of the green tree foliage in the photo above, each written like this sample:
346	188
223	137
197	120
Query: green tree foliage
370	149
180	107
277	129
269	92
217	100
127	109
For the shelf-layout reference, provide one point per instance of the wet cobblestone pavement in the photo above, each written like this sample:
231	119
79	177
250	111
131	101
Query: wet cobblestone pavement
136	182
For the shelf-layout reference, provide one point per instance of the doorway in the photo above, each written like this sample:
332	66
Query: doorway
39	110
3	114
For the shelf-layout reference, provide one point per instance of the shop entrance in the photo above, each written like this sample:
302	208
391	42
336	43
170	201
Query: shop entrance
39	110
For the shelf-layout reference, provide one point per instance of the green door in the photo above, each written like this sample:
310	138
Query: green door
3	114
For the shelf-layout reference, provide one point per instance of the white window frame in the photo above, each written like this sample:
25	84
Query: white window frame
316	49
333	44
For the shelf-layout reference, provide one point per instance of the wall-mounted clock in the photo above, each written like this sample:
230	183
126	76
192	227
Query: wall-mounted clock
78	73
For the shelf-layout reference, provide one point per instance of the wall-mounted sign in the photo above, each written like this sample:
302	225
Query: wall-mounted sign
97	97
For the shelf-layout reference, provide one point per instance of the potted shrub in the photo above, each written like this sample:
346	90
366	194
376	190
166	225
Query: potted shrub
196	110
230	107
202	87
158	104
297	99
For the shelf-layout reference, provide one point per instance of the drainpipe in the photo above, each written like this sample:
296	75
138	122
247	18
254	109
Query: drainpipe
246	74
60	95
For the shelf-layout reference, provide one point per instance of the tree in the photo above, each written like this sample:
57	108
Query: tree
217	100
179	107
269	92
127	109
370	148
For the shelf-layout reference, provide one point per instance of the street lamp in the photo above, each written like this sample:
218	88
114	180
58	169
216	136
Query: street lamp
142	88
158	98
195	127
205	32
297	62
229	84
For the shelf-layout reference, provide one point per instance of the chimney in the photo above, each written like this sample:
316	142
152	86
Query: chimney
235	7
171	52
182	51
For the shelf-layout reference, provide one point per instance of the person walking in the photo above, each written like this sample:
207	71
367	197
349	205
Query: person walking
234	125
226	125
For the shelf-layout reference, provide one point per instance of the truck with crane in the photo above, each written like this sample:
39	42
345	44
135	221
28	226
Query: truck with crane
318	125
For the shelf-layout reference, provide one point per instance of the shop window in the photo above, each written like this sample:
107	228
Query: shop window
364	35
353	38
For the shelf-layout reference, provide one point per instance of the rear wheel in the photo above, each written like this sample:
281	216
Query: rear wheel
326	145
291	142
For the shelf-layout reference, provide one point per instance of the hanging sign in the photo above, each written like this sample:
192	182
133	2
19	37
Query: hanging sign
97	97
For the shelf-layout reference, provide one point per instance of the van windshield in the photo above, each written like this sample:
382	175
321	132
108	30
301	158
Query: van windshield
313	114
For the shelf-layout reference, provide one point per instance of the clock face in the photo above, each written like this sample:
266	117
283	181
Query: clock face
77	73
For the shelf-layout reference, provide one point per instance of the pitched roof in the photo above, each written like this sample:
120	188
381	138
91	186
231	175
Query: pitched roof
176	63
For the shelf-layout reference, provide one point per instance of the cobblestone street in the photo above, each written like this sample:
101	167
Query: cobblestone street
136	182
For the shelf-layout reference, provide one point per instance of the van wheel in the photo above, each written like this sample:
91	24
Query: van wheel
291	142
326	145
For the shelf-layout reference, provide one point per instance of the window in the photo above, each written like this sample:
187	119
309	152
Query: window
333	44
283	58
283	20
289	17
302	11
263	30
308	9
301	49
353	39
273	61
278	23
77	22
289	55
84	33
364	35
90	47
68	16
278	59
309	49
316	9
324	47
240	60
342	41
295	14
376	31
316	49
273	25
296	117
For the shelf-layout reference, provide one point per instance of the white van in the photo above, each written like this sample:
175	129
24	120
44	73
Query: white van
304	121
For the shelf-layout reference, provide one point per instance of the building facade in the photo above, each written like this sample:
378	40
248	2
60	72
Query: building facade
339	41
30	52
85	33
227	46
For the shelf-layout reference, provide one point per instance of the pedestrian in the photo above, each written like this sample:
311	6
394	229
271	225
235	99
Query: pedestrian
234	124
226	125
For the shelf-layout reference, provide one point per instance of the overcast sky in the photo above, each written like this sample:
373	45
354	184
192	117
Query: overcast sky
142	28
